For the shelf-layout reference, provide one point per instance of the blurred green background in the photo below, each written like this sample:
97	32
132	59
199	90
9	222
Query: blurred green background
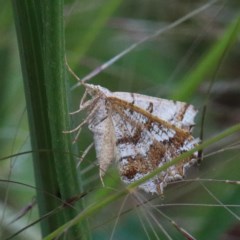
96	31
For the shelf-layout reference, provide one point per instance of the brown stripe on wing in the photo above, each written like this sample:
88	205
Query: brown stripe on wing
137	164
126	105
144	164
120	106
177	140
150	107
180	115
131	139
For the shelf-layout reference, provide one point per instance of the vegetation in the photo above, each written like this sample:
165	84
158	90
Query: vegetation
43	194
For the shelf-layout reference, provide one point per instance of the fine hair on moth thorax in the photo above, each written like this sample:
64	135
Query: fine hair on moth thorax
140	133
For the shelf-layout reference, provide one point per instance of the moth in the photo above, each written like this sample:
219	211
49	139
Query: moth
140	133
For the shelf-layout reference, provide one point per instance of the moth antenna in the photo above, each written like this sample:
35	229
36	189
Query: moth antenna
73	73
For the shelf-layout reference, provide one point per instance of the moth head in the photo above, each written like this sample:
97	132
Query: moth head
96	90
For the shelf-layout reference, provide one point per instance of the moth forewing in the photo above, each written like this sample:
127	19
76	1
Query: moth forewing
178	113
140	133
146	141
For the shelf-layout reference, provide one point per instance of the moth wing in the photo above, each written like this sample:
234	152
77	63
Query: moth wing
142	147
179	114
104	137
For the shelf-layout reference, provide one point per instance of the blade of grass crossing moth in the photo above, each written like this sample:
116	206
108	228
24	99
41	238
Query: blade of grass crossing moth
107	200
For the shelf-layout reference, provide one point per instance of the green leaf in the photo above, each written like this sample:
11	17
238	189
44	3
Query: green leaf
40	33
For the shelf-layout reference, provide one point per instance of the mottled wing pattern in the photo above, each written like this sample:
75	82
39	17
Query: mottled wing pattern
179	114
148	134
142	133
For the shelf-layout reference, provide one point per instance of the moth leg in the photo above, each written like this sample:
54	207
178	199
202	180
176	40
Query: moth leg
86	151
83	99
101	177
89	117
84	105
163	184
81	104
79	127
